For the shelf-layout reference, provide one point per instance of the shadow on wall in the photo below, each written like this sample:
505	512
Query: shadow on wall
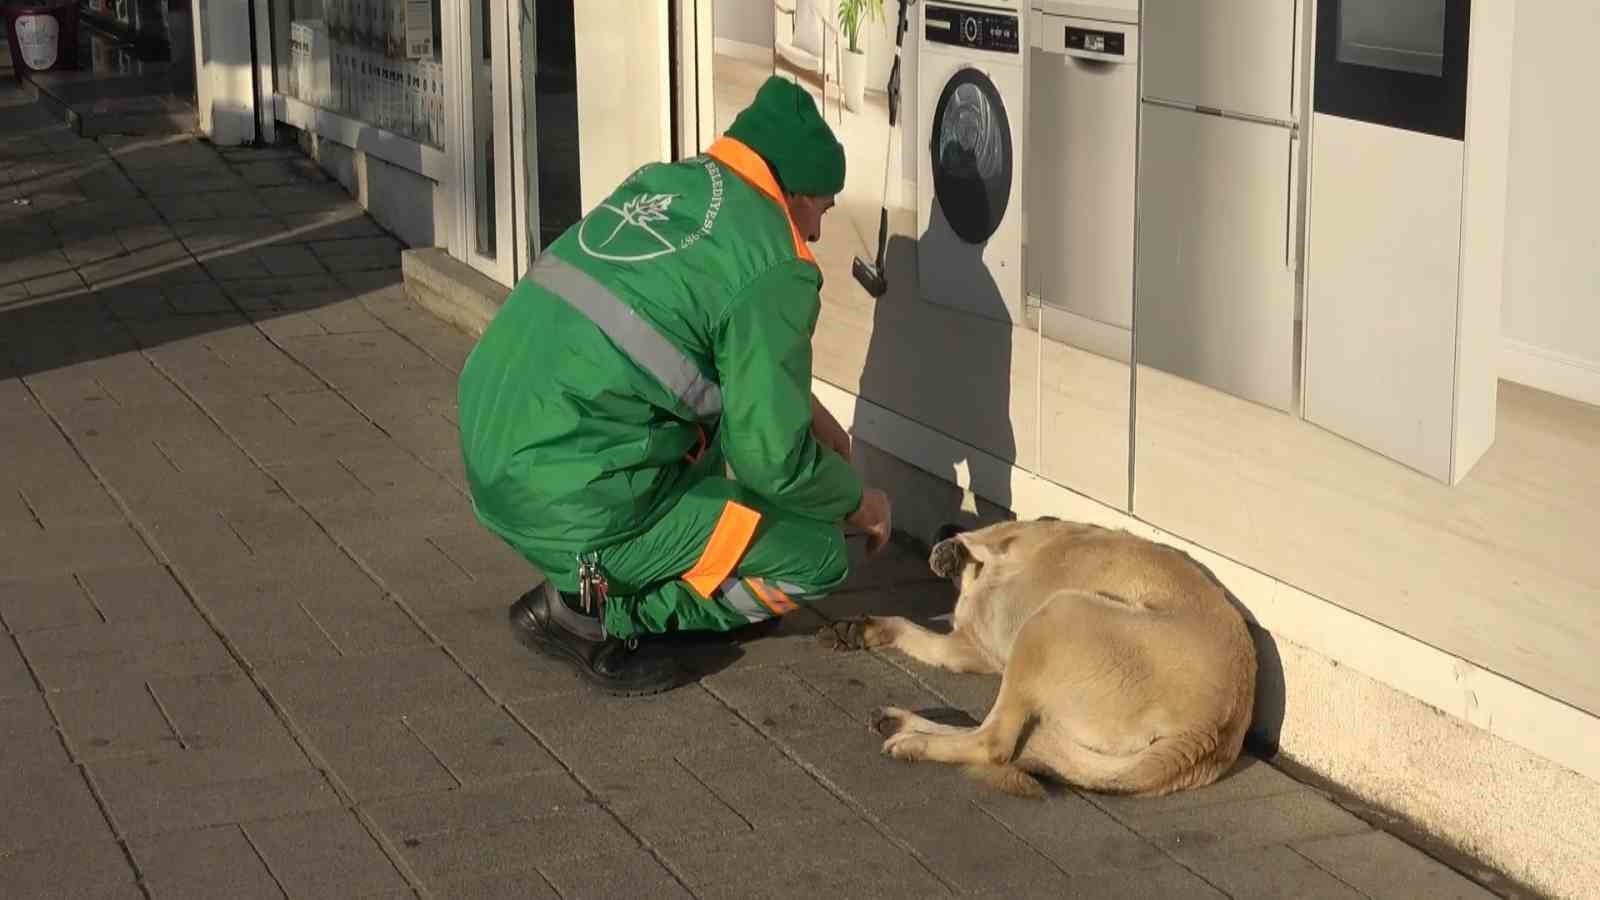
895	367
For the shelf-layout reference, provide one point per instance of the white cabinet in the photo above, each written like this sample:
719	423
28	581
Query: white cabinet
1215	281
1410	138
1381	289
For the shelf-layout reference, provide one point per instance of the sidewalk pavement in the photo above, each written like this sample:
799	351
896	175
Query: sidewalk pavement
255	644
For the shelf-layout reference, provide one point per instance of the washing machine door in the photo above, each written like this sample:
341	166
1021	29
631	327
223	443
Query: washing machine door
972	155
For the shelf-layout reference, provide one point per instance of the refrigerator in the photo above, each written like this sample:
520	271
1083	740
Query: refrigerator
1218	200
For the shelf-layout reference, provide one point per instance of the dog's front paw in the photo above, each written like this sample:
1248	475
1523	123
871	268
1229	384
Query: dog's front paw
947	558
888	721
856	634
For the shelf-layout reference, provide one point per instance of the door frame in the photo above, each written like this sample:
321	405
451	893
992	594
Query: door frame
463	36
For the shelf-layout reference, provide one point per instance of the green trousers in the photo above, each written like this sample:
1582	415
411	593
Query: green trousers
720	559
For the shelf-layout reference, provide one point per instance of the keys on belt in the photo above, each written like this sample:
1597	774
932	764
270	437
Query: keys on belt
592	585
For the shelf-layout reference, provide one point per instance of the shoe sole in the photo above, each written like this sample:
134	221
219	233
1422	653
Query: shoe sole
532	637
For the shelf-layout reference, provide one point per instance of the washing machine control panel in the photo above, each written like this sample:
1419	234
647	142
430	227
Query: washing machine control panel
993	31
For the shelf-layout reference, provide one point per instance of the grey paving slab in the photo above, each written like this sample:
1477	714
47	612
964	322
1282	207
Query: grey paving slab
358	254
46	806
846	757
89	656
581	725
197	788
223	710
71	504
203	864
1161	883
269	634
137	594
54	601
74	548
466	809
662	801
28	736
1071	832
1277	871
480	743
1199	835
315	481
1383	867
632	874
482	641
517	847
861	682
846	859
436	602
95	869
378	757
350	688
973	852
358	627
776	700
325	854
316	408
483	555
15	677
114	721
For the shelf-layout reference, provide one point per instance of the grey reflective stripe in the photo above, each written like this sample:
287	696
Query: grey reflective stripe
794	590
737	595
636	337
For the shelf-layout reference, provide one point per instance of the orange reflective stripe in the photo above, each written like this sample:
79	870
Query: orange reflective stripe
771	597
729	540
749	165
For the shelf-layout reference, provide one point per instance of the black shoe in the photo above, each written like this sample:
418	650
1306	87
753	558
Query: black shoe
541	622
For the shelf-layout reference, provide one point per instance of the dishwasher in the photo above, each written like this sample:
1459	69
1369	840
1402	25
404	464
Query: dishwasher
1082	145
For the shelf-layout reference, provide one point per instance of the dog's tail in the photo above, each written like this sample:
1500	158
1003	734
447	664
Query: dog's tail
1007	779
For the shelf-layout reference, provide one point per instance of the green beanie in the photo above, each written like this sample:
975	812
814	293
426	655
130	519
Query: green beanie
783	126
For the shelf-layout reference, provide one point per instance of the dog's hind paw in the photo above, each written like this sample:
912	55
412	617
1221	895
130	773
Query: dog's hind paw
947	558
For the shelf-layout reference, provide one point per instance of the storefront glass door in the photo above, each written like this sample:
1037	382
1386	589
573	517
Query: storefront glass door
485	232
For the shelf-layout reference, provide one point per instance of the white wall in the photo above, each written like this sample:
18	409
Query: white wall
744	21
1552	275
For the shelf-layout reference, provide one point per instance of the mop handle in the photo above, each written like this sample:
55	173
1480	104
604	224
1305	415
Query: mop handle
893	91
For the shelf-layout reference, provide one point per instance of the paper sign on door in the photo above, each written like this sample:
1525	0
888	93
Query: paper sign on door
419	29
39	39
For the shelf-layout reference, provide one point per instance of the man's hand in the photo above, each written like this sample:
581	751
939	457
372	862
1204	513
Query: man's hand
873	517
827	430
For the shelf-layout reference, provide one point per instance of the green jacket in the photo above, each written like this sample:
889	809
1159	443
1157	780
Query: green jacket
678	313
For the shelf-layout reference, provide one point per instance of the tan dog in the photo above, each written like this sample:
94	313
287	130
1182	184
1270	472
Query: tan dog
1125	667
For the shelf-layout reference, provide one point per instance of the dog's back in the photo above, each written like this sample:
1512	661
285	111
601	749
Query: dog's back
1139	670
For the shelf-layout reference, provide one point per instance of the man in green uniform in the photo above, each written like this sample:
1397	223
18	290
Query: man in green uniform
638	419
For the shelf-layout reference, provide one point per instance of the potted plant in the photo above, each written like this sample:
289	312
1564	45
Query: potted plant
852	15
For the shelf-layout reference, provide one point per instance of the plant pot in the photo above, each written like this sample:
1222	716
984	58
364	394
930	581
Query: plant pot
854	79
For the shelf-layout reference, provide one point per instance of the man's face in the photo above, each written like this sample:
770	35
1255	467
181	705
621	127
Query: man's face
808	212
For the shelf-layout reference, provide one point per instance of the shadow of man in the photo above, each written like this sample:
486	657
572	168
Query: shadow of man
948	369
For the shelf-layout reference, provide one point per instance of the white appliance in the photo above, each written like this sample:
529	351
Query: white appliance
1410	130
1219	189
971	81
1083	133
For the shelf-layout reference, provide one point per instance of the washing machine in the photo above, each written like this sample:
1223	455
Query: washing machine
971	83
